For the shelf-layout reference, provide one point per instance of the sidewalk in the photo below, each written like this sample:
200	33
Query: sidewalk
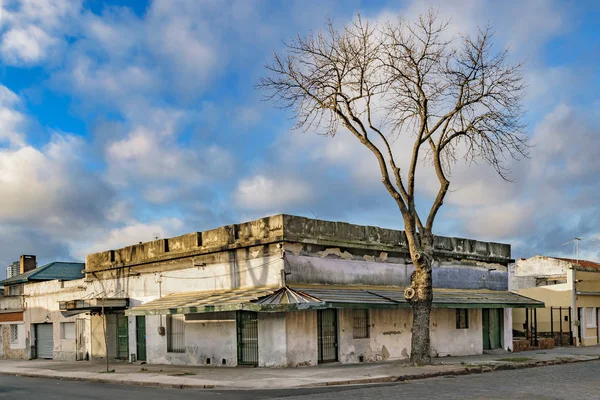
170	376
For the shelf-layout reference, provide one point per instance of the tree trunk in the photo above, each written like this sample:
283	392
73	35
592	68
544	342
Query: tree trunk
421	282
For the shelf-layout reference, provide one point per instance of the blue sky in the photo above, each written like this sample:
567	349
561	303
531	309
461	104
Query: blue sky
125	120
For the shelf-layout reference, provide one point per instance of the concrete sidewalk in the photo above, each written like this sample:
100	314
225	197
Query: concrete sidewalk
169	376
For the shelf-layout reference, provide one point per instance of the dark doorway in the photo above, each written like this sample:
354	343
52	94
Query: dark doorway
122	337
327	335
140	336
80	339
247	337
492	325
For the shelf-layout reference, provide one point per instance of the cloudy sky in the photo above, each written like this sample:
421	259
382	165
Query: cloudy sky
126	120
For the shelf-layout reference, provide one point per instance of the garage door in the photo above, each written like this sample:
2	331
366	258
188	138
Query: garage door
44	341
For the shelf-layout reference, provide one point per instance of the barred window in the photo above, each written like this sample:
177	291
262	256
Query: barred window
175	333
14	334
462	318
360	324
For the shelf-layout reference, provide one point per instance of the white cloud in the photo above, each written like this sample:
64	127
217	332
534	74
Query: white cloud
131	234
50	188
154	156
33	31
261	192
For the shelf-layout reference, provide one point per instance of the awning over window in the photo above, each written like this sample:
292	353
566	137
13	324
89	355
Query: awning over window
294	298
74	307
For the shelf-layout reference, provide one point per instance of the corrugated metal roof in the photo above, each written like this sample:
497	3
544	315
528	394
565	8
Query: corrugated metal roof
185	303
317	297
64	271
383	296
286	295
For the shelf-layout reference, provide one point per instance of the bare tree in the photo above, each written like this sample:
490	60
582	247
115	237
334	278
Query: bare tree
454	96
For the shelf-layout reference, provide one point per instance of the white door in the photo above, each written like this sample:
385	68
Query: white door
44	341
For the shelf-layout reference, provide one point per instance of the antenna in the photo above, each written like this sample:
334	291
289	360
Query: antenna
576	240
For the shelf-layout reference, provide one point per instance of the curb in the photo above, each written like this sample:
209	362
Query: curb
385	379
452	372
110	381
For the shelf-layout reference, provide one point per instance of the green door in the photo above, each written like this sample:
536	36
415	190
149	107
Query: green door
122	337
492	328
140	335
486	328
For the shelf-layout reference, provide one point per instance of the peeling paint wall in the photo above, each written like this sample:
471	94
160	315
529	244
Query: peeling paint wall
272	341
335	268
14	351
301	338
446	340
204	338
389	336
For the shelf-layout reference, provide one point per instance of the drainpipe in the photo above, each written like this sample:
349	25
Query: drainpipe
575	315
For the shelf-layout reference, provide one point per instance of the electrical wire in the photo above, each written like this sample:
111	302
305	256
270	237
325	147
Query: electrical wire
216	276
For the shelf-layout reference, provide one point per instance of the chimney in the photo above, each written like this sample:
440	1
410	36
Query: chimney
27	263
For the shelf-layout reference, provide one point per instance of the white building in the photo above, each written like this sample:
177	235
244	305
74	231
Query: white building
280	291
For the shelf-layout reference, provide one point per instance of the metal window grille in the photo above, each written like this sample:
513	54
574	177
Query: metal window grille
14	334
360	324
175	333
14	290
462	318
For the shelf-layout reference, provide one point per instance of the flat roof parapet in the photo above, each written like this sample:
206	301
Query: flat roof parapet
289	228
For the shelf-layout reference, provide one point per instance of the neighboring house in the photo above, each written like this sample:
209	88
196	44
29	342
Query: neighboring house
26	323
571	291
289	291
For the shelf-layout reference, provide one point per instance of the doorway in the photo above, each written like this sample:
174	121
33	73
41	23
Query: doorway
80	353
140	336
122	337
327	335
492	325
247	337
44	341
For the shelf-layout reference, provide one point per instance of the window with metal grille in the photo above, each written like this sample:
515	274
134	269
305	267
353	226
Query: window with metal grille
360	324
14	290
14	334
175	333
462	318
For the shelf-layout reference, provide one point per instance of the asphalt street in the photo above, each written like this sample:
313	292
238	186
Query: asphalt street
567	381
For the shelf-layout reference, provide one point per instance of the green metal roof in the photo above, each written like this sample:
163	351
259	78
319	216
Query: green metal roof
294	298
64	271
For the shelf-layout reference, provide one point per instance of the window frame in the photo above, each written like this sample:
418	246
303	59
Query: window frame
176	339
14	334
361	323
63	335
459	325
590	319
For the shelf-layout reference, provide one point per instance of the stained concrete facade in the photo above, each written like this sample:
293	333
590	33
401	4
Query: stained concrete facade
271	252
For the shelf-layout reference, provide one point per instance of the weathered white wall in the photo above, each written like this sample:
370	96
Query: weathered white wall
214	339
507	340
256	272
272	340
446	340
301	338
389	336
